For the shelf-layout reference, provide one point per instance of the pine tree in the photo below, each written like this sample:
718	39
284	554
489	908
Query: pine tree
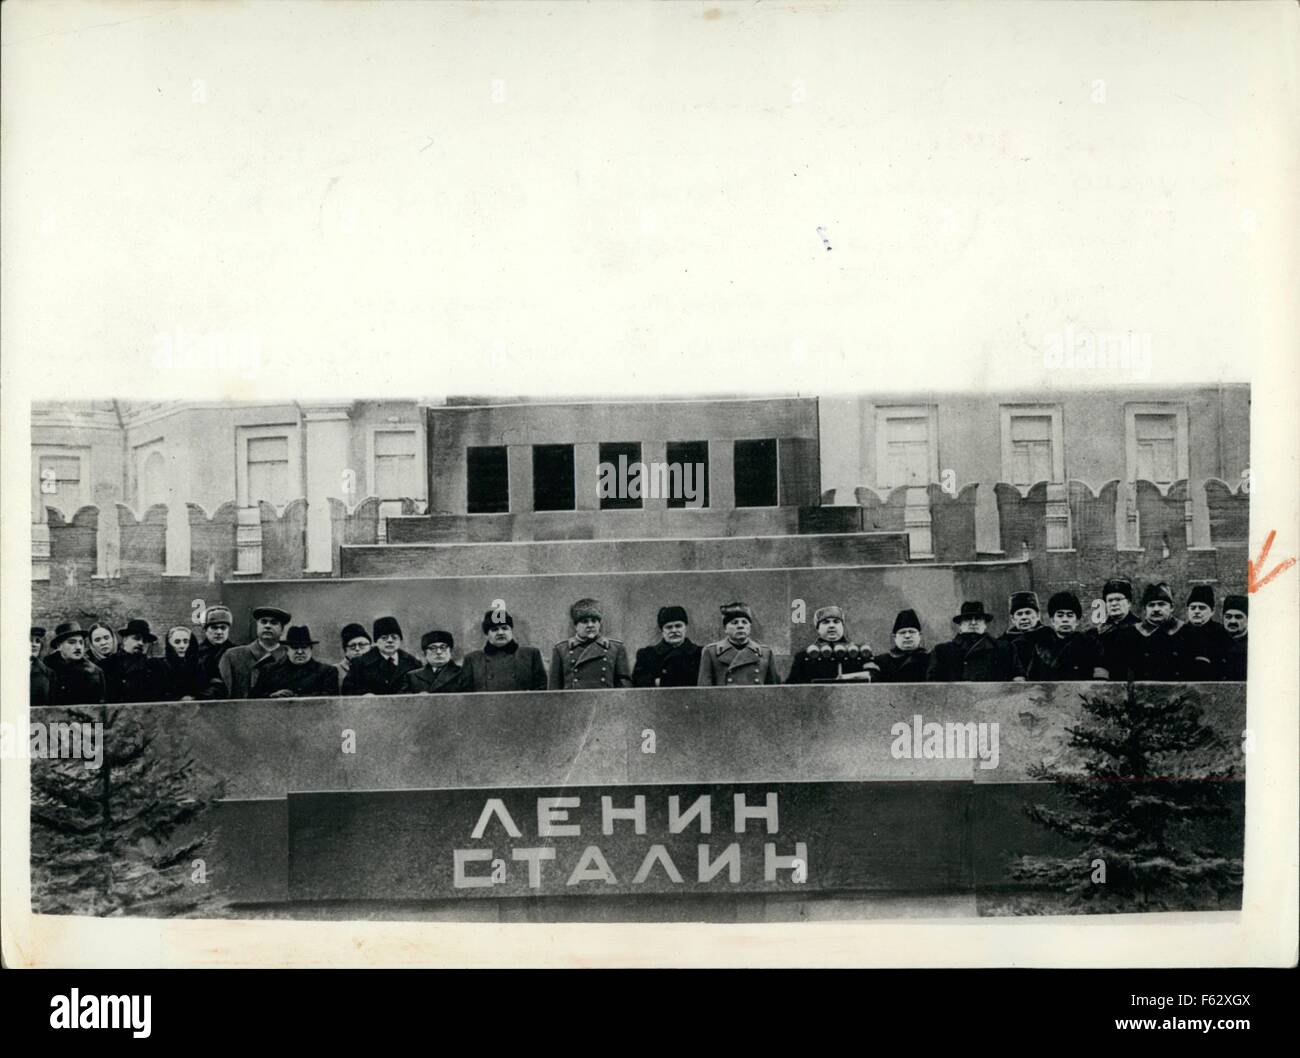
1149	770
122	838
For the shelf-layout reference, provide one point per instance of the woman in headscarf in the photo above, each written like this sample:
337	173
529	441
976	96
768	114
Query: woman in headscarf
180	665
103	644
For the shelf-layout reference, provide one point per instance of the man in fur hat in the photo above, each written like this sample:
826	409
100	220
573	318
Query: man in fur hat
439	674
830	657
588	659
1203	642
972	654
383	668
239	665
74	678
1235	611
1148	650
736	660
1117	598
1015	641
297	674
1062	651
672	662
907	660
354	641
216	641
503	664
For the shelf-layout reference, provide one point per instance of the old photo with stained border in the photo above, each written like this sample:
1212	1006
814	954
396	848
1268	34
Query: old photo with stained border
681	475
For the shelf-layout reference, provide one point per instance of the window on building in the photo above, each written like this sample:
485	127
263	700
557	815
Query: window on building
1156	438
59	482
907	450
395	464
1031	449
553	478
754	467
268	470
1033	444
693	459
622	456
487	476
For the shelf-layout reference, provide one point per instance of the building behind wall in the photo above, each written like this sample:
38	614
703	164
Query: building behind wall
519	470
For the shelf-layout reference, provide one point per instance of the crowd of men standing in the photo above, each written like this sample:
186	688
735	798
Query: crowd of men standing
102	664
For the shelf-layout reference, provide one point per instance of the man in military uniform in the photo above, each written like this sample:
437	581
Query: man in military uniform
587	659
383	668
907	660
238	665
736	660
131	675
74	679
216	641
672	662
502	664
439	675
297	674
830	656
38	687
1148	650
972	654
355	641
1235	610
1062	652
1203	642
1015	641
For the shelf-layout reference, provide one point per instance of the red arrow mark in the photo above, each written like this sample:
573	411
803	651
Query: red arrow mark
1253	579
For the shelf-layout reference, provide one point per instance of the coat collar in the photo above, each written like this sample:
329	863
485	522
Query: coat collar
664	647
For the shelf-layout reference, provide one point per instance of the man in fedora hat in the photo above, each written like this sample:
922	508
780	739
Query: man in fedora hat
907	661
216	641
1236	609
240	666
355	641
439	674
297	674
736	660
587	659
1061	651
38	688
131	675
672	662
502	664
383	668
972	654
1015	641
1203	642
74	678
831	657
1148	650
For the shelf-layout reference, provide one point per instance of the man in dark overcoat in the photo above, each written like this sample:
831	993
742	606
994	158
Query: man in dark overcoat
503	664
672	662
439	674
383	668
972	654
297	674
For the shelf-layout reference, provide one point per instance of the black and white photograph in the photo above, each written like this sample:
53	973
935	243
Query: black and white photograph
731	659
650	484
